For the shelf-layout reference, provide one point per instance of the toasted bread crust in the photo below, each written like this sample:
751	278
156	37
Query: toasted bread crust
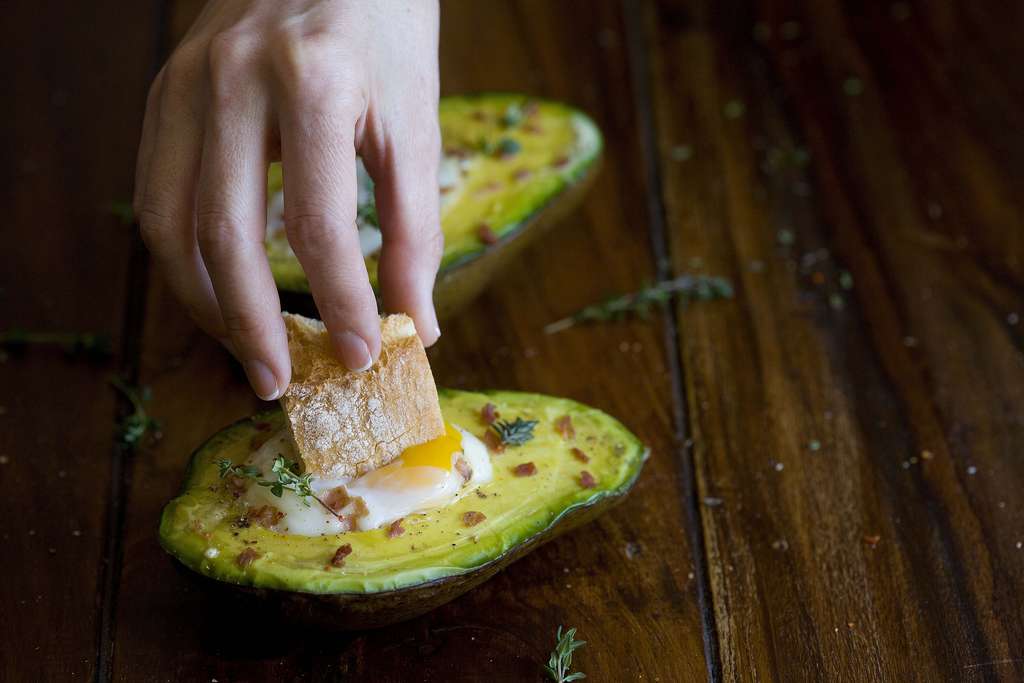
348	423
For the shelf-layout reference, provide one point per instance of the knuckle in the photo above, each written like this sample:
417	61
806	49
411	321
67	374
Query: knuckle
314	68
244	324
218	232
156	224
229	59
182	72
308	232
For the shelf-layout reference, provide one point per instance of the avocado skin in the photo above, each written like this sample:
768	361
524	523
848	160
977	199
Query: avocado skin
348	610
469	265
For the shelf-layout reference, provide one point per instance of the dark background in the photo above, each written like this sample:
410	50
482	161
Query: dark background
838	452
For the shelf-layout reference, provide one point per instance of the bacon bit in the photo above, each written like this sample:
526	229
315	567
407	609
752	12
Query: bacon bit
348	523
266	516
522	174
587	480
580	455
532	128
396	528
526	469
488	188
489	413
263	426
530	108
563	426
818	277
246	557
236	485
873	540
445	189
336	499
464	470
472	518
494	442
257	441
340	554
560	162
486	235
478	116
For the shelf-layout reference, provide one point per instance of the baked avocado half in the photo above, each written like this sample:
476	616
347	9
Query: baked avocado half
512	165
387	578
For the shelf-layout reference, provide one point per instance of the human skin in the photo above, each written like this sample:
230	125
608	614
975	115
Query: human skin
312	83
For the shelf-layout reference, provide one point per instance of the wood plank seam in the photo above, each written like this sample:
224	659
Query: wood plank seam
637	43
121	469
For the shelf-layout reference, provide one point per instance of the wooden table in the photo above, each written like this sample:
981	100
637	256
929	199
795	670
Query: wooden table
835	491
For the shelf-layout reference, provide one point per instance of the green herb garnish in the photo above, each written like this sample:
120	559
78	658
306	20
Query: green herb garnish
73	343
514	433
123	211
513	115
561	658
367	213
685	288
135	426
507	147
289	477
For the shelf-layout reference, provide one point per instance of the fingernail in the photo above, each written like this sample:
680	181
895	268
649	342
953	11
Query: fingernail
262	379
353	351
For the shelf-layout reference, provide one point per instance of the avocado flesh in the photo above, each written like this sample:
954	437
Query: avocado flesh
385	579
558	148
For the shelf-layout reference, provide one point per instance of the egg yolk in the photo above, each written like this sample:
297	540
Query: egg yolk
436	452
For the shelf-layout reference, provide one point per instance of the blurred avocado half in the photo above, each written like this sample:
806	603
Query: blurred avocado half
512	167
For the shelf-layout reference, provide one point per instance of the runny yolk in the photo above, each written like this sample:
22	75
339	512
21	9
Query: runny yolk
434	453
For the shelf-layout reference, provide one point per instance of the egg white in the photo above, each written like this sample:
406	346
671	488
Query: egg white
437	488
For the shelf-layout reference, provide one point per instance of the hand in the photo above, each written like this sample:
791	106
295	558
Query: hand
311	82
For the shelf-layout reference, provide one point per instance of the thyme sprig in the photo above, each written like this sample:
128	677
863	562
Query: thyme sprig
289	477
684	288
514	433
91	344
135	426
560	663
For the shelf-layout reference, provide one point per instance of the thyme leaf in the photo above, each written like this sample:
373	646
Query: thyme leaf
289	477
514	433
90	344
513	115
684	288
135	426
560	663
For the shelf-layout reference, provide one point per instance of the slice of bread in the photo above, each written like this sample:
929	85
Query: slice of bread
348	423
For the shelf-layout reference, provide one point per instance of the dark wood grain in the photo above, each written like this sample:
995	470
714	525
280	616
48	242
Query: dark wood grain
865	444
626	582
68	143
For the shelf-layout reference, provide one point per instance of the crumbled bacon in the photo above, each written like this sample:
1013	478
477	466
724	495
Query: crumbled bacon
563	426
464	470
489	413
263	426
493	441
488	188
336	499
486	235
478	115
560	162
257	441
526	469
580	455
472	518
246	557
396	528
265	515
236	485
340	554
532	128
587	480
872	541
530	108
522	174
